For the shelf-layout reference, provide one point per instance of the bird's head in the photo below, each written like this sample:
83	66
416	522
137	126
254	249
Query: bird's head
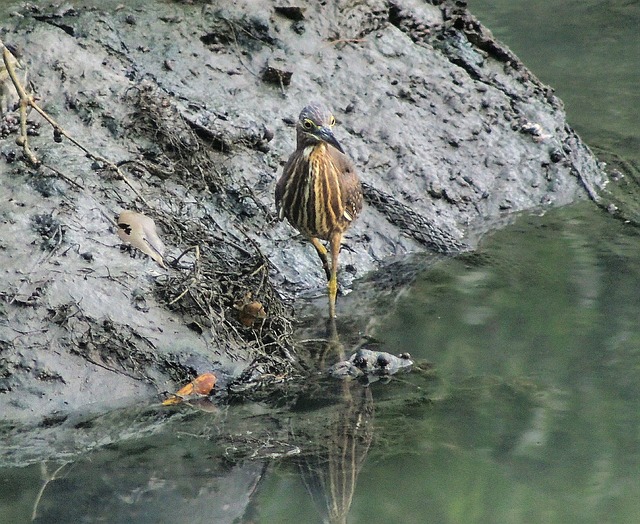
315	125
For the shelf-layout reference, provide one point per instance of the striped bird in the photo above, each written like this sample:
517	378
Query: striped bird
319	191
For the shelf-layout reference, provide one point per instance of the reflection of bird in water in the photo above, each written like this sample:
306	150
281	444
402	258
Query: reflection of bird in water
330	475
319	191
338	444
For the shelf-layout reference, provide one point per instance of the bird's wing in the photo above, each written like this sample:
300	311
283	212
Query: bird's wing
352	196
282	185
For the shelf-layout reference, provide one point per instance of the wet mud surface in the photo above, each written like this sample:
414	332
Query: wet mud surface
450	133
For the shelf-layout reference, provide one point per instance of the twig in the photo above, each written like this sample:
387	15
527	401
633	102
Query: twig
196	272
63	176
22	140
39	262
186	290
338	41
197	250
47	478
239	53
255	272
27	100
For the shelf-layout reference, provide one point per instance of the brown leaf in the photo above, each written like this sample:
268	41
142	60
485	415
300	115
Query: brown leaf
140	231
201	385
249	311
198	387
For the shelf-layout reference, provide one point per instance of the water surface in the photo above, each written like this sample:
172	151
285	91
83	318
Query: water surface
531	413
588	51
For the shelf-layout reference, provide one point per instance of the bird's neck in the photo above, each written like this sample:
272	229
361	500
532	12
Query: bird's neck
316	147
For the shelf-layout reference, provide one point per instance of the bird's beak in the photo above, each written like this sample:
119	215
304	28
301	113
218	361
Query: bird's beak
326	135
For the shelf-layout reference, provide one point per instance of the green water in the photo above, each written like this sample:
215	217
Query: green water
532	412
529	409
533	415
589	51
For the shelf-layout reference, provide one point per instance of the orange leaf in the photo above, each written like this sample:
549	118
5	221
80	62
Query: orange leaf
172	400
199	386
251	312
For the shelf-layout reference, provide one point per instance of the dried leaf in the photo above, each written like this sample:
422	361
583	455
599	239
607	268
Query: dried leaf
140	231
172	400
200	386
249	311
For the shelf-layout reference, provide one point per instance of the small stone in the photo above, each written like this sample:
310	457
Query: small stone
275	74
268	134
294	13
556	155
616	175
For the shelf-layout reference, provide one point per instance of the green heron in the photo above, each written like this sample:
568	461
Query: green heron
319	191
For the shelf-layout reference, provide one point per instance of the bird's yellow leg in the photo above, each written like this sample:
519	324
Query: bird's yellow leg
322	253
334	241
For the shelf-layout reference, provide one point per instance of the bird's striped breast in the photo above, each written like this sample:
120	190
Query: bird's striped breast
312	196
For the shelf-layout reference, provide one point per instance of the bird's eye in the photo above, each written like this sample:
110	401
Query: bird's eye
307	124
332	121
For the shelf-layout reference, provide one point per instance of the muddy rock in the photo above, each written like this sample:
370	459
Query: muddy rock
194	104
